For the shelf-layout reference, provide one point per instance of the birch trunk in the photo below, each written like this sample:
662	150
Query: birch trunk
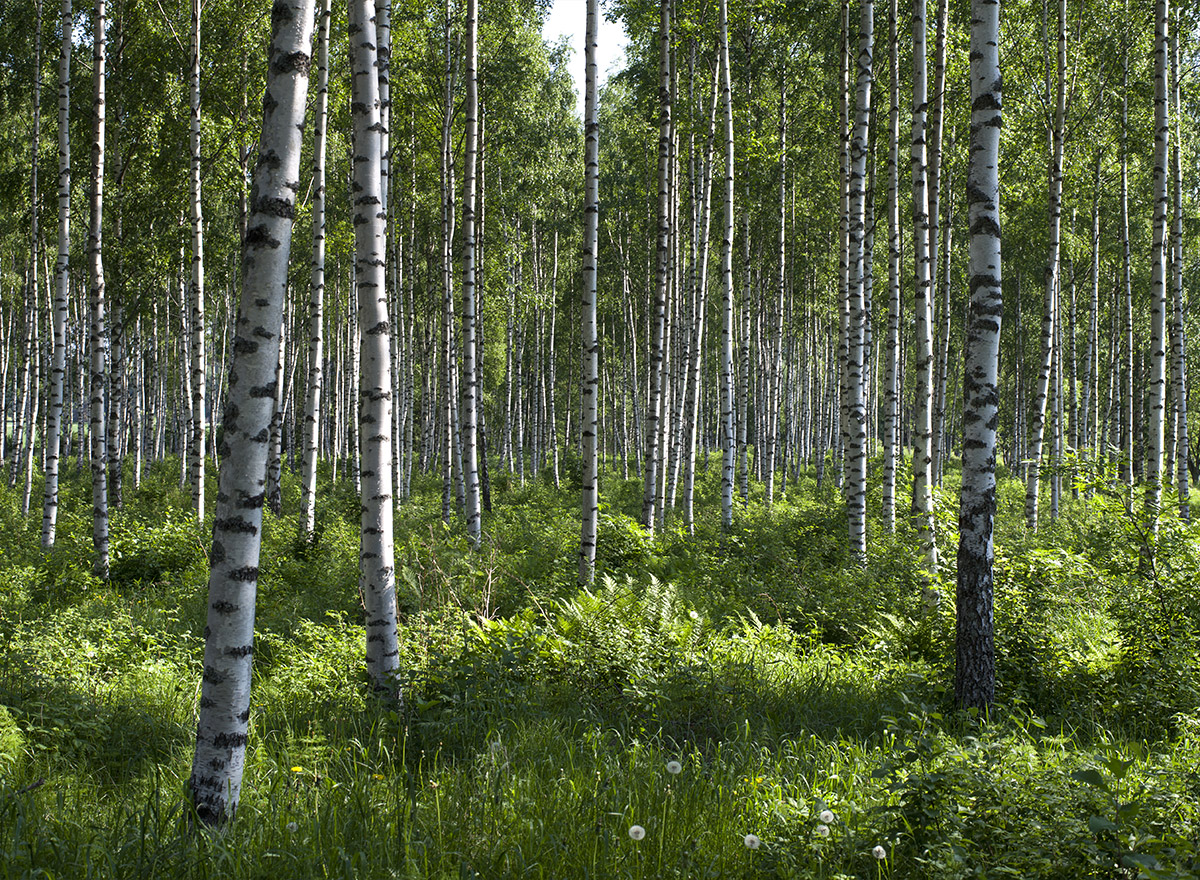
62	280
727	436
1178	336
196	288
662	278
1157	378
216	778
470	419
975	662
923	429
590	497
891	395
99	332
377	576
316	301
856	410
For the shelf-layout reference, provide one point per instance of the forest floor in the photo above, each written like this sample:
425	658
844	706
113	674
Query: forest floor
749	704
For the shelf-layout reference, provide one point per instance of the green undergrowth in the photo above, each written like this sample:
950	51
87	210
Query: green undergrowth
718	690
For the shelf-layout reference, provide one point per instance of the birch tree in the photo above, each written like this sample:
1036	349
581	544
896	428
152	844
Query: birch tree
728	447
589	423
377	573
1157	379
62	281
99	331
216	779
470	444
891	393
316	301
923	427
196	288
1178	337
975	662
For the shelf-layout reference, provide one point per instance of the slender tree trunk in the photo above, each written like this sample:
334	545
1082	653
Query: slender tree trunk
216	778
1178	337
377	576
62	281
1157	378
196	289
727	436
590	498
856	410
923	430
975	662
470	419
654	403
891	396
99	332
1126	396
316	302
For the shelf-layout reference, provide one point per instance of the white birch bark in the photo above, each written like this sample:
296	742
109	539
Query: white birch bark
196	288
662	278
1157	378
856	409
470	421
590	496
62	280
1178	336
99	332
728	448
891	394
1053	280
316	301
377	575
975	669
923	427
216	778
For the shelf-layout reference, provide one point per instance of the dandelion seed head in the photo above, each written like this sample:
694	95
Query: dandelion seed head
826	816
292	827
674	768
879	852
636	832
822	831
752	841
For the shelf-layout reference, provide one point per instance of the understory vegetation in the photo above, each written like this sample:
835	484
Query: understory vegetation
755	703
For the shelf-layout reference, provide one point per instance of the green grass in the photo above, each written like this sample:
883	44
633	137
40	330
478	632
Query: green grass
539	719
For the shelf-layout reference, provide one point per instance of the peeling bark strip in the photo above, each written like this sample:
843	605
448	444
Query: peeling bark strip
590	496
377	578
61	283
216	779
975	661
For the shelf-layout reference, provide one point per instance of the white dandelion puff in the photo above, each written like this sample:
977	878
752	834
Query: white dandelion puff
879	852
636	832
674	768
293	827
826	817
822	831
751	841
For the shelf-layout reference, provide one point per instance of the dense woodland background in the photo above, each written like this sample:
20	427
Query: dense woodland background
734	673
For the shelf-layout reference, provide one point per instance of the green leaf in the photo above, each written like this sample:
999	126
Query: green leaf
1096	824
1090	777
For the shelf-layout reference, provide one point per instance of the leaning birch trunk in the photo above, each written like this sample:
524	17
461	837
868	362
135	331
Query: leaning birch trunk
1178	337
1053	280
470	399
216	779
975	661
728	447
856	409
662	276
62	280
196	289
923	421
99	332
316	302
590	497
891	394
377	575
1157	378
